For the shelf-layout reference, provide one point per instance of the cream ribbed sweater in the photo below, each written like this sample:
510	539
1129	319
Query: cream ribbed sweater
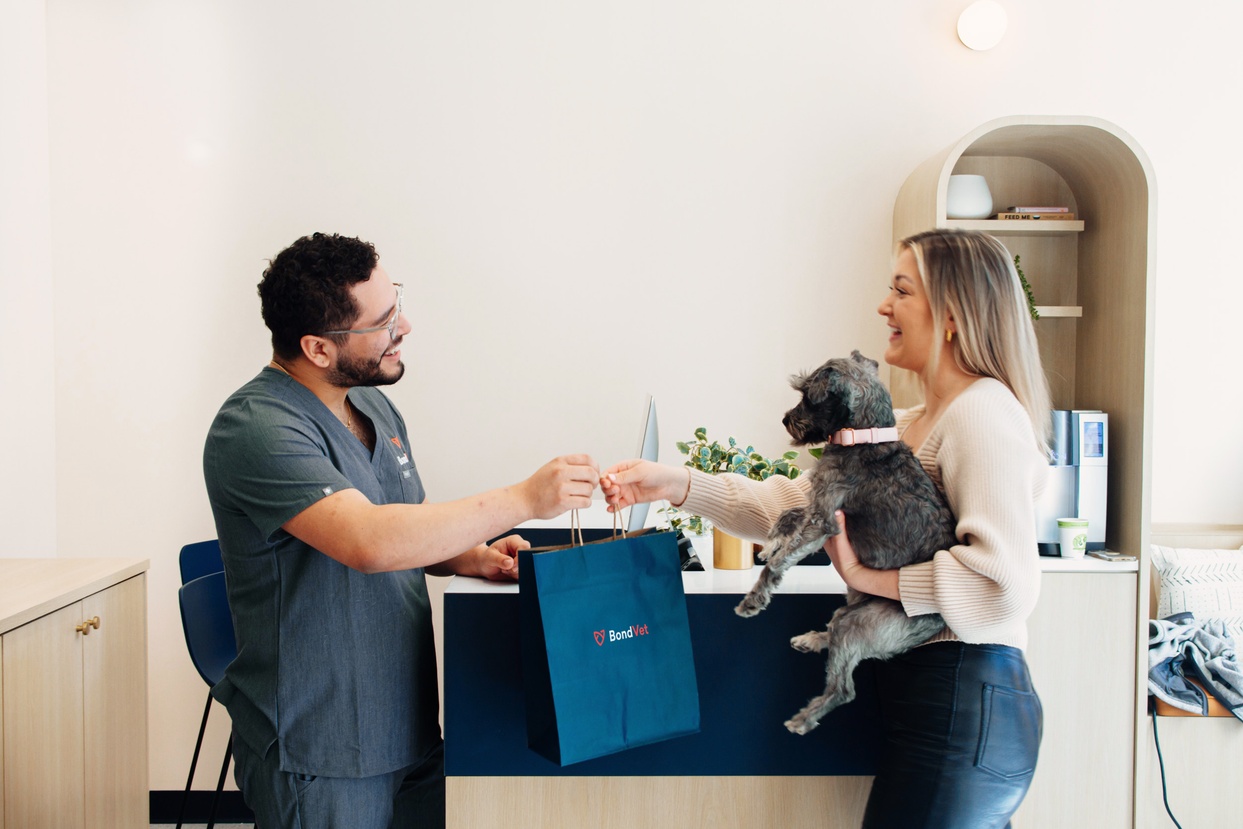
983	456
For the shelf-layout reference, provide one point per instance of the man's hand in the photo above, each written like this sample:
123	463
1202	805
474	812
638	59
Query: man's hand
562	484
498	562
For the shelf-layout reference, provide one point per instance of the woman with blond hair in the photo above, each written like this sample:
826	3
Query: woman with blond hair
961	715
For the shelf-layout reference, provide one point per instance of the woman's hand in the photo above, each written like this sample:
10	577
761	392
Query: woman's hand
855	573
639	482
843	556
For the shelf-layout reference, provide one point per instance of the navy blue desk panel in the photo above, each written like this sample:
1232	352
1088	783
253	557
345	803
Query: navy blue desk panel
750	682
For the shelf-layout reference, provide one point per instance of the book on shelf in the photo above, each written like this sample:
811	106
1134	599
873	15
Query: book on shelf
1044	217
1037	210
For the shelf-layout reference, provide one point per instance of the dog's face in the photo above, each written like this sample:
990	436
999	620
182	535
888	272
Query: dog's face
842	393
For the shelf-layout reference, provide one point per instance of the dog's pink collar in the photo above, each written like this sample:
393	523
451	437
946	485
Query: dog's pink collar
849	437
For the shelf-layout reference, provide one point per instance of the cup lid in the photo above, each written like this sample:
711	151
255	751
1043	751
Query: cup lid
1072	522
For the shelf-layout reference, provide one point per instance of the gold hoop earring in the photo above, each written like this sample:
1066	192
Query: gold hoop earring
949	335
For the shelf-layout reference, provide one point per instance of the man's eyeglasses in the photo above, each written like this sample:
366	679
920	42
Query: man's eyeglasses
391	325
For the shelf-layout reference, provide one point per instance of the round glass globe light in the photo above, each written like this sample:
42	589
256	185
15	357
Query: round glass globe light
982	25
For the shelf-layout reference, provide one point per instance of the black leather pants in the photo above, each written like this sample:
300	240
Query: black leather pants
962	730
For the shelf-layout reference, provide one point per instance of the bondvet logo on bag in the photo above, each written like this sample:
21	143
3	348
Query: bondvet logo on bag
606	635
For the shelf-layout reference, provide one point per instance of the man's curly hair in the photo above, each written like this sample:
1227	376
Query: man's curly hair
306	288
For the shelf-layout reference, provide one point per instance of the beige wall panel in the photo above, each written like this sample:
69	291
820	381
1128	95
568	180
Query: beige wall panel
1	732
1203	755
1203	764
656	802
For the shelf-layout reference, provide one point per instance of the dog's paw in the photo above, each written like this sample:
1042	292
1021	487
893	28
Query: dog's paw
750	606
800	724
809	642
764	553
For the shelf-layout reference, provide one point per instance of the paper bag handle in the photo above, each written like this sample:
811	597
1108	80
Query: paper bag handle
576	528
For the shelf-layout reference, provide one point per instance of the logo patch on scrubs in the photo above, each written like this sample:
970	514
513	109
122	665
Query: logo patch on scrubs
402	458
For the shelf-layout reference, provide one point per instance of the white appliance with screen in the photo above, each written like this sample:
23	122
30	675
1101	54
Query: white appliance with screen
649	449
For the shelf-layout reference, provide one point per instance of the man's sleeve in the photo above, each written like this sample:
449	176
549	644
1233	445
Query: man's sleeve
267	461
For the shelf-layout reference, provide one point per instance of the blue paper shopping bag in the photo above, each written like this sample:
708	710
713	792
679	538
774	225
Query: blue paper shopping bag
606	648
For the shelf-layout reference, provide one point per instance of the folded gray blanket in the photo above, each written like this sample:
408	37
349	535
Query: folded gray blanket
1180	645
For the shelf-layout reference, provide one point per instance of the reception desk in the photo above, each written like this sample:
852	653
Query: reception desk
744	769
741	766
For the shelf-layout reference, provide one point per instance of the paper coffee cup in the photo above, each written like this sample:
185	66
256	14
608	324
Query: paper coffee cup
1072	534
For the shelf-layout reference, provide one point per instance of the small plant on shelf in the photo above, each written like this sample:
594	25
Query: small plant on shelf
1027	289
714	458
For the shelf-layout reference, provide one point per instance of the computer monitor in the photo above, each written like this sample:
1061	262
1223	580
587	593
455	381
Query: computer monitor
649	449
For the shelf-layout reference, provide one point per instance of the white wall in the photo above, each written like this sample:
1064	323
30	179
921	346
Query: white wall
28	362
587	202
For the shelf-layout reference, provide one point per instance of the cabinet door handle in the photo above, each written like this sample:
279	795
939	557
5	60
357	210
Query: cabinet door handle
85	627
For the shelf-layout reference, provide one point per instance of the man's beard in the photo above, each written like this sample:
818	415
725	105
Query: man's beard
350	372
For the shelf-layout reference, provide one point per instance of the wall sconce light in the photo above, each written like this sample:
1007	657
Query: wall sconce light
982	25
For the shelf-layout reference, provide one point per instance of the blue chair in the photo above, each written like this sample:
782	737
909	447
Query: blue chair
199	559
208	627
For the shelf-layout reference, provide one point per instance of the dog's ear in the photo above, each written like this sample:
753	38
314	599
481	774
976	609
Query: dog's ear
818	386
868	363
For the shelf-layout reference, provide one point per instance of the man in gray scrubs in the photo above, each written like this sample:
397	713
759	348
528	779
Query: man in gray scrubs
326	536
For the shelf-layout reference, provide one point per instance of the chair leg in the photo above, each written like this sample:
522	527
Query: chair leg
224	769
194	761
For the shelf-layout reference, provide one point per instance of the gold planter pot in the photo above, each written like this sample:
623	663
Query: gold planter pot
730	552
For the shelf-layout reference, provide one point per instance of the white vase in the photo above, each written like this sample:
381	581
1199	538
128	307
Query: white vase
968	197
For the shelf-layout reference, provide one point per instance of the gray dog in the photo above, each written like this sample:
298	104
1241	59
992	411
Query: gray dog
897	517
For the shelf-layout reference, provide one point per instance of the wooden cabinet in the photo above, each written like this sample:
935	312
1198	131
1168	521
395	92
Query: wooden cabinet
1094	276
73	684
1081	653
